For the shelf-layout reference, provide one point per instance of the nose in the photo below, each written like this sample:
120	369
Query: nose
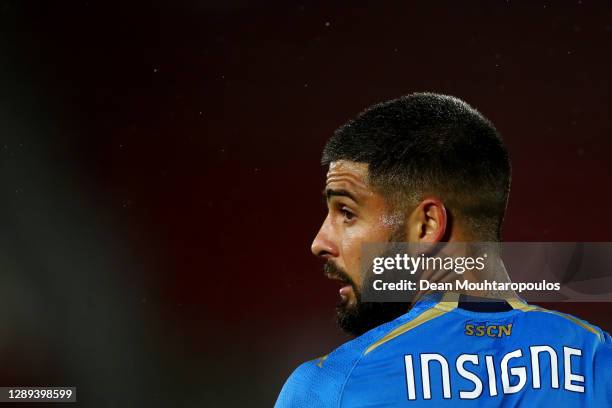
323	245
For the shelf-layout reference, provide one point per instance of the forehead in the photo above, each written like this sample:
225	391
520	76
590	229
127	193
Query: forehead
348	174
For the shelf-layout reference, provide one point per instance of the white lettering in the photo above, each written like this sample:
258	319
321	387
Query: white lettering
508	371
519	372
492	376
425	359
475	393
535	365
410	377
568	352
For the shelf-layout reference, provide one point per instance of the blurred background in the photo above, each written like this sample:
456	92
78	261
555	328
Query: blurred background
160	179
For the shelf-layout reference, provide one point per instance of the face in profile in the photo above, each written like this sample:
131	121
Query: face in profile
356	215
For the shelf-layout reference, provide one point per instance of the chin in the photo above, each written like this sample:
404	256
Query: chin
358	318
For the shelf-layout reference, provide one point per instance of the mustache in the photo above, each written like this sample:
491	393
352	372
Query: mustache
334	271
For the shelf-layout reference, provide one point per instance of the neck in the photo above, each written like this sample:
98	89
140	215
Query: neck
493	272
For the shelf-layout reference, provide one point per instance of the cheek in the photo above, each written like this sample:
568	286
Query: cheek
351	252
352	242
378	231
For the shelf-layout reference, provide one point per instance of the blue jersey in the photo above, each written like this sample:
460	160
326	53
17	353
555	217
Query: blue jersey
441	354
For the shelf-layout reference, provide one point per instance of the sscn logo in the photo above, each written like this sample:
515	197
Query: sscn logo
488	330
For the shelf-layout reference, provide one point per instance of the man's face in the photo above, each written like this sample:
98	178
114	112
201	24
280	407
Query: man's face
356	215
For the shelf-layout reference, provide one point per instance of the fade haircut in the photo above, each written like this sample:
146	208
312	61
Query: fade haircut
428	144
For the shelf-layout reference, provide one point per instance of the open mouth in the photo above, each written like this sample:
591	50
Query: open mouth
346	287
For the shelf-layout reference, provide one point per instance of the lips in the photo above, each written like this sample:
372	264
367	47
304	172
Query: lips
339	278
346	288
345	291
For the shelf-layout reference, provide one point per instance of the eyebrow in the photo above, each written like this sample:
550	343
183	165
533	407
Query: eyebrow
328	193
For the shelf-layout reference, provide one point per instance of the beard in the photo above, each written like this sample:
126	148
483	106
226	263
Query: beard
360	317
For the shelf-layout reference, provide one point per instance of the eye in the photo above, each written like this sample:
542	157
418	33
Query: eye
349	216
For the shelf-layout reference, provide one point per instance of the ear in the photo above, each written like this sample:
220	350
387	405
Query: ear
428	222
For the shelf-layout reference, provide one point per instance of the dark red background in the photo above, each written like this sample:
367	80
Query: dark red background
161	180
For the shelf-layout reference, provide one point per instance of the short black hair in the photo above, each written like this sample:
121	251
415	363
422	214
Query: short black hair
427	143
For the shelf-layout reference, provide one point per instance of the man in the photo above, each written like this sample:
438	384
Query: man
429	169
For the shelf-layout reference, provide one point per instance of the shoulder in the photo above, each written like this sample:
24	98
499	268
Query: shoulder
602	361
320	382
568	324
307	386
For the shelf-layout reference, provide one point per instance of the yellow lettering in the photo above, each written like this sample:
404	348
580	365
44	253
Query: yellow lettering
488	330
505	330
